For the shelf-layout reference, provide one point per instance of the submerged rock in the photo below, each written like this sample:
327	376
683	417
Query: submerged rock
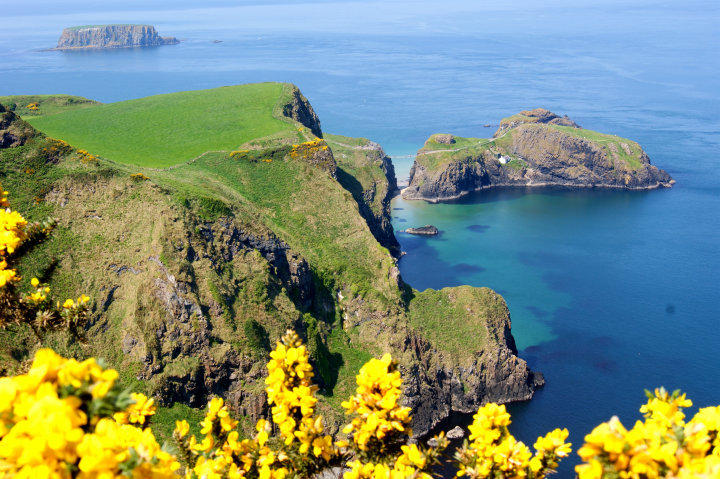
427	230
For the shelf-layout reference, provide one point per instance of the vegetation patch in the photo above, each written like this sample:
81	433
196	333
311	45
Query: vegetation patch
39	105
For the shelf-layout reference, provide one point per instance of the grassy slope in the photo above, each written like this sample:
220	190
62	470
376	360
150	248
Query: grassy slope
165	130
362	172
319	220
47	104
605	141
463	147
434	155
442	315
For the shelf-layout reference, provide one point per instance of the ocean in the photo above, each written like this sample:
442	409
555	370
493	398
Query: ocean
610	292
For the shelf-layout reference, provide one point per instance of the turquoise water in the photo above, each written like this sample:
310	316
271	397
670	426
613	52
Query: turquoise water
610	292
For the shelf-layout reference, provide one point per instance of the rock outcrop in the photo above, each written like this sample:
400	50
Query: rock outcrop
534	148
538	115
13	131
299	109
112	36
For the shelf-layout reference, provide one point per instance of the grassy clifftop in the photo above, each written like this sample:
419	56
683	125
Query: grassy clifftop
198	258
165	130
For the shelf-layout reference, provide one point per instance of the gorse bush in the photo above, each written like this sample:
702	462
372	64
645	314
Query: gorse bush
34	307
66	418
662	445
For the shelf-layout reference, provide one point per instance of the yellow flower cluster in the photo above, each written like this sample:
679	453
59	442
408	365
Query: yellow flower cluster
12	234
222	454
302	449
38	296
494	452
56	421
380	421
308	148
33	106
237	154
291	394
411	463
661	446
86	157
138	412
380	428
139	177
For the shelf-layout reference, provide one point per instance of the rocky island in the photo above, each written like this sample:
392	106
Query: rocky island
112	36
532	148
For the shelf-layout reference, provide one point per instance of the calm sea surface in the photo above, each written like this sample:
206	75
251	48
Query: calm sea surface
610	292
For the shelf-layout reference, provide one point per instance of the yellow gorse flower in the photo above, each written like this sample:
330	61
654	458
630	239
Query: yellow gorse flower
661	446
493	452
57	418
379	418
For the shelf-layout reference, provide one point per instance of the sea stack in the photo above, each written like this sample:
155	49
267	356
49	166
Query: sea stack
112	36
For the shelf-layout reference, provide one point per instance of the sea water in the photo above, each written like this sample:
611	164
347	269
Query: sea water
610	292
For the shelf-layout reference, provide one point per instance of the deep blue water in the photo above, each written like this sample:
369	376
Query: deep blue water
610	292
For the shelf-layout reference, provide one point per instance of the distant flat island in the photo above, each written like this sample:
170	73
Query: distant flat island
112	36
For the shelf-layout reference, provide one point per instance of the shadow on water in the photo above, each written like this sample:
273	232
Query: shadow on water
423	258
478	228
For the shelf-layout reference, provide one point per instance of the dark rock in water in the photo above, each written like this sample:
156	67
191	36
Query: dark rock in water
112	36
427	230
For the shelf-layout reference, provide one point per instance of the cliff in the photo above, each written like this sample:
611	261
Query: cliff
198	267
368	173
112	36
533	148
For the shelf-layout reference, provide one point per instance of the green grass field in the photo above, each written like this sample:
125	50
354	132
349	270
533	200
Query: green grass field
165	130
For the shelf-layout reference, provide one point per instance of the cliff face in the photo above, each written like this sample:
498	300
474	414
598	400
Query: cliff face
368	173
112	36
535	148
299	109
